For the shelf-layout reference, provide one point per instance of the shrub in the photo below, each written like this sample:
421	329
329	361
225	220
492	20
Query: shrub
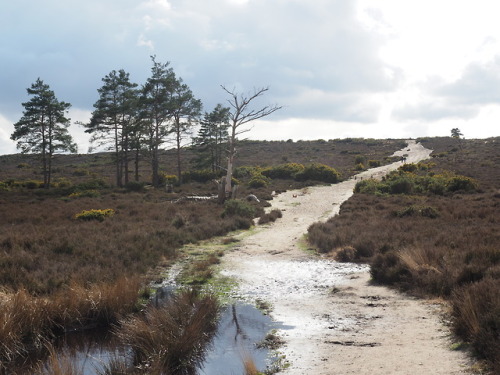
359	167
171	179
235	207
85	194
99	215
401	185
462	183
369	186
359	159
409	167
284	171
134	186
318	172
199	175
242	172
23	165
373	163
258	181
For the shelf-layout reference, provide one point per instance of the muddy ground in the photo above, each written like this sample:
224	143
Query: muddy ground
336	321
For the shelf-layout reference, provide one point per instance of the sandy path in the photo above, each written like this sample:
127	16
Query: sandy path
337	323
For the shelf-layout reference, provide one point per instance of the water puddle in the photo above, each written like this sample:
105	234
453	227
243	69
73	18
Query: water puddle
241	328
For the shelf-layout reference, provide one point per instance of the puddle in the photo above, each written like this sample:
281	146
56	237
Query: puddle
272	280
240	328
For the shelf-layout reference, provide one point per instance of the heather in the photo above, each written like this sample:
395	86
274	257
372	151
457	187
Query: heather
432	229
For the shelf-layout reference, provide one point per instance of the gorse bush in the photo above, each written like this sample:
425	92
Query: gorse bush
318	172
404	182
258	181
99	215
284	171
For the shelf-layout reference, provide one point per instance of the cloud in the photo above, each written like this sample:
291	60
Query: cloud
479	84
462	98
7	146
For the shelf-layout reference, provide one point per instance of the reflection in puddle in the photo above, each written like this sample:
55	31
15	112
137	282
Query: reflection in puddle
240	329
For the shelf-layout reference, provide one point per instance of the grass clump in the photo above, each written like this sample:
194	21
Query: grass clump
172	339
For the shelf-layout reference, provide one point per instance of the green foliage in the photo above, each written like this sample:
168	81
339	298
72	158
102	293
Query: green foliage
258	181
402	182
409	167
284	171
318	172
373	163
245	171
241	208
99	215
199	175
462	183
23	165
369	186
359	167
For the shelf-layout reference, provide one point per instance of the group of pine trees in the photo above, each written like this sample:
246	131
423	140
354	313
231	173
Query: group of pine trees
131	121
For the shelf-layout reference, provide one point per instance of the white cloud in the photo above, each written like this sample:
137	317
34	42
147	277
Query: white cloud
7	146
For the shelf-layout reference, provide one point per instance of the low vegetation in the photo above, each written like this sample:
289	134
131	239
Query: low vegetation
432	229
64	251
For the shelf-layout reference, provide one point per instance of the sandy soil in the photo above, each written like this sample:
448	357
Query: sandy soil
335	321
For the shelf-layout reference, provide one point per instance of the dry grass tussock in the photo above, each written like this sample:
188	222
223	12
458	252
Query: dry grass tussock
432	241
29	323
172	339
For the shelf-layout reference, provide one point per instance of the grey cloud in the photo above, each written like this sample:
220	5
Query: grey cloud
463	98
480	84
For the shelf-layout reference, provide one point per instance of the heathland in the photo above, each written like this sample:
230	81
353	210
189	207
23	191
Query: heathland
83	252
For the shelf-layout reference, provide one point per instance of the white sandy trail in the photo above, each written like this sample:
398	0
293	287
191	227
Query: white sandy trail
361	329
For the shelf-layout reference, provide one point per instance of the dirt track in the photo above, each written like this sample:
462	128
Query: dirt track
338	322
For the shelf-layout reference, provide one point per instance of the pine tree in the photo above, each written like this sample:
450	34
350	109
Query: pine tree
157	111
115	119
213	138
186	110
43	128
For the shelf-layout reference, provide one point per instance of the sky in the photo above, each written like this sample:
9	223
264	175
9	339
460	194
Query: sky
339	68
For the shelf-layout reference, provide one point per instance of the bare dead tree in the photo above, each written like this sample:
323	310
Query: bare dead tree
241	114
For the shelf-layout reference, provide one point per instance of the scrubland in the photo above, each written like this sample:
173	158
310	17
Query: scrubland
82	253
432	229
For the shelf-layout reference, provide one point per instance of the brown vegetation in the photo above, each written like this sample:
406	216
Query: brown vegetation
441	242
58	272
